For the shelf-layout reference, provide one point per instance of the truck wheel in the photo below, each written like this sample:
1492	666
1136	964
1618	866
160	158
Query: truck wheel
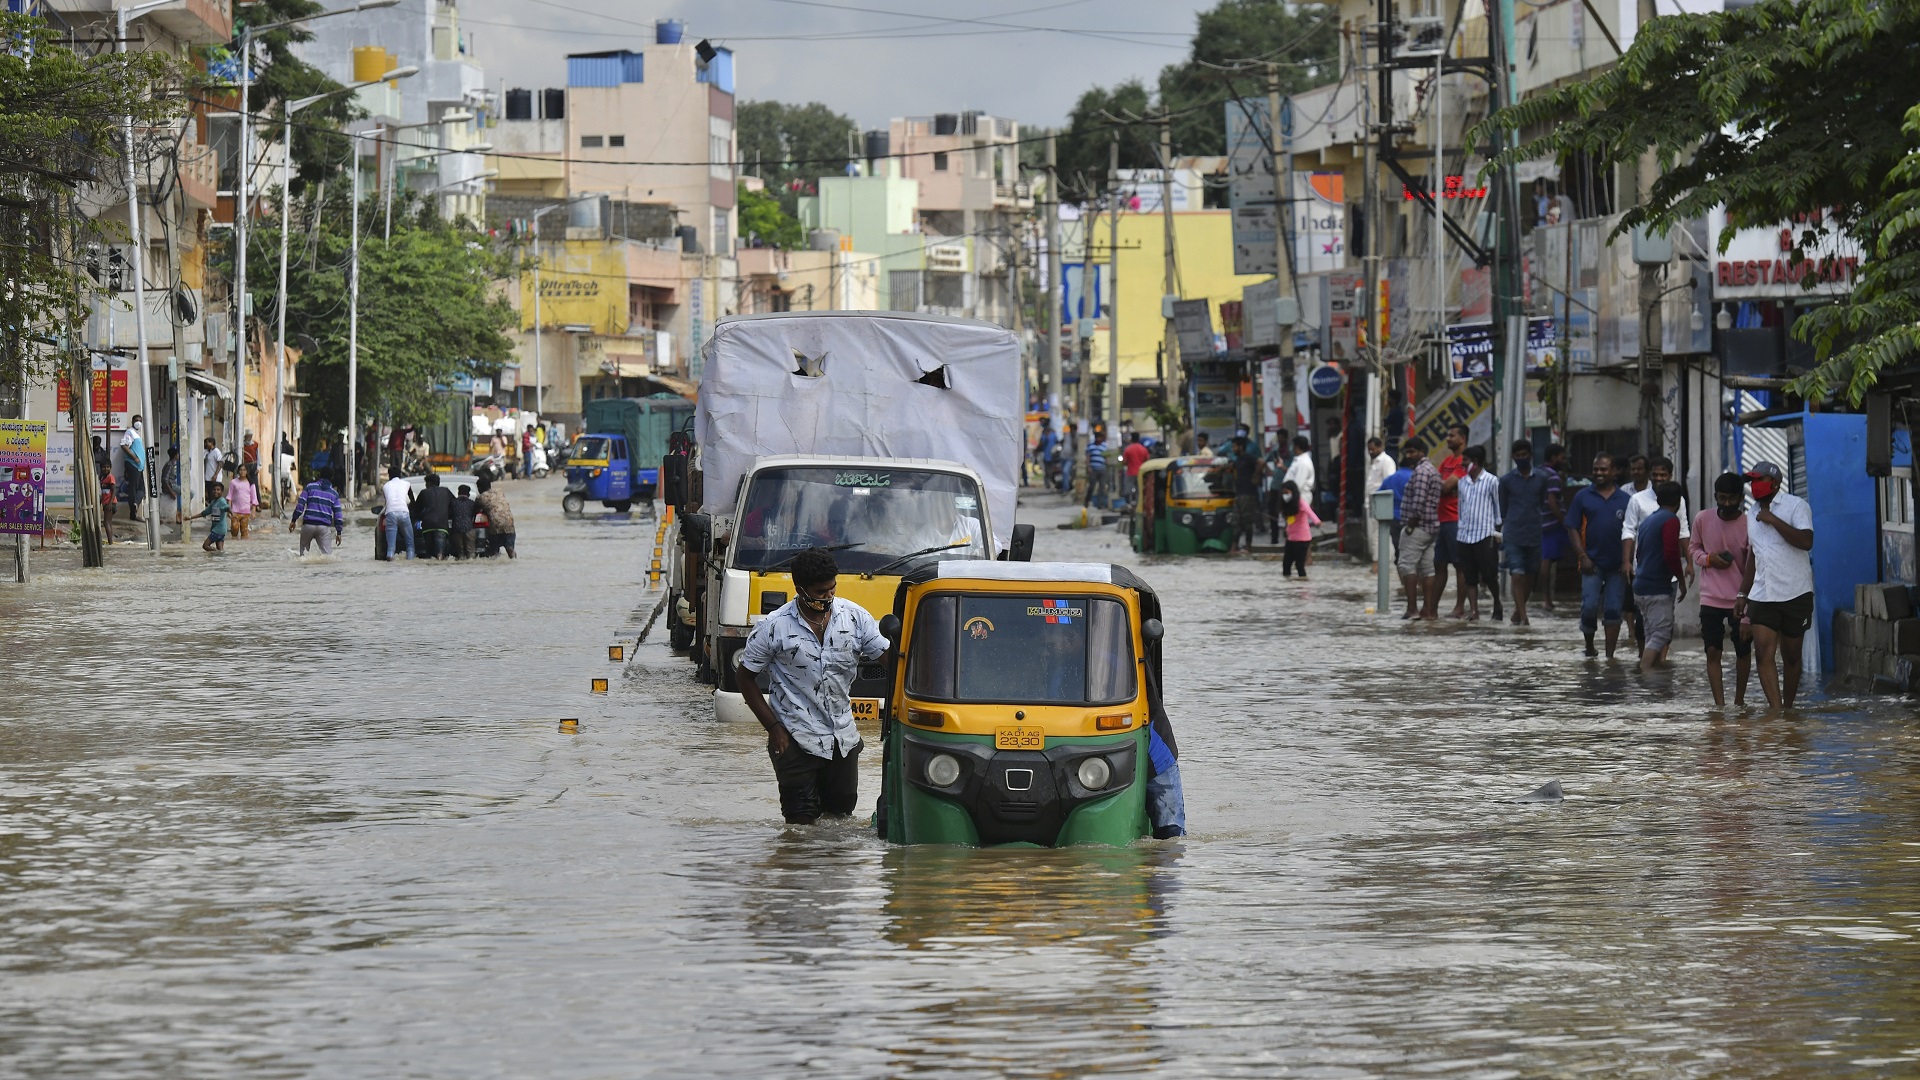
622	506
574	504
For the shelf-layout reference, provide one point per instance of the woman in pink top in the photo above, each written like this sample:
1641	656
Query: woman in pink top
244	495
1720	549
1300	522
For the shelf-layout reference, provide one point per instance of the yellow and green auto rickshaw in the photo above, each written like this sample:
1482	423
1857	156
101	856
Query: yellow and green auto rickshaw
1185	506
1022	695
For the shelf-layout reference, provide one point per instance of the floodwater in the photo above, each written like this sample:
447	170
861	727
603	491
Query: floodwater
265	817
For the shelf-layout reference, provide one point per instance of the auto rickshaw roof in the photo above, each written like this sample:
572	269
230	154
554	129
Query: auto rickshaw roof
1038	573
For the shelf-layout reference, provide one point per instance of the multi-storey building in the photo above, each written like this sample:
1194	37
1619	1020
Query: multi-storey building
972	201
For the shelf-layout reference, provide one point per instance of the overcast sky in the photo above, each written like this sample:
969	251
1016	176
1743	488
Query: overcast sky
1025	59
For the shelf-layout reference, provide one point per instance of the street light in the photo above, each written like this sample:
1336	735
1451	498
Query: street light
486	175
135	226
240	207
286	214
389	159
539	392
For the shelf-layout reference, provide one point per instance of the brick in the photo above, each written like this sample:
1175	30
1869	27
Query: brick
1860	600
1895	601
1875	634
1846	629
1906	637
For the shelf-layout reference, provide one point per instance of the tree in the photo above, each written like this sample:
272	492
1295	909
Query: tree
764	224
320	150
430	307
791	146
61	144
1084	149
1232	43
1782	110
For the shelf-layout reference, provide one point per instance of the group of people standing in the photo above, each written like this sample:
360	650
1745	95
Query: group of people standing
1638	551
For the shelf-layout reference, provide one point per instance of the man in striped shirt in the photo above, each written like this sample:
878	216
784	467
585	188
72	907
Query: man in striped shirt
316	514
1419	532
1479	493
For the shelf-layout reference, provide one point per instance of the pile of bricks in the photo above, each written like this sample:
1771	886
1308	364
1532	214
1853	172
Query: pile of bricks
1877	644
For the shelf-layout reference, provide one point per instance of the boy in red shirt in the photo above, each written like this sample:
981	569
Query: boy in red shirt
1446	552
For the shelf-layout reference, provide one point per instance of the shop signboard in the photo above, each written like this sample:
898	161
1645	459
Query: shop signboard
23	476
1470	348
108	410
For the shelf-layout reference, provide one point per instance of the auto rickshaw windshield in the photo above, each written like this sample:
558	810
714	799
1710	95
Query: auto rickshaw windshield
1191	482
591	448
1022	649
873	516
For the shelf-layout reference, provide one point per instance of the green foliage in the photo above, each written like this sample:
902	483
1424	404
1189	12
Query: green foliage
1301	40
790	146
1242	36
431	306
320	150
1784	108
60	133
764	224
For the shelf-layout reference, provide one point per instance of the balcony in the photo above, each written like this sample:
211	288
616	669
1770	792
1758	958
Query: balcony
199	175
197	22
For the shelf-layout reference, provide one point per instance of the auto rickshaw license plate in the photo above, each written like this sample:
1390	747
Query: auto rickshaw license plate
866	708
1019	738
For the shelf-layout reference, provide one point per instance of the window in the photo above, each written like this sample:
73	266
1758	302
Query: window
940	162
1001	648
589	142
616	140
719	148
223	134
722	233
883	514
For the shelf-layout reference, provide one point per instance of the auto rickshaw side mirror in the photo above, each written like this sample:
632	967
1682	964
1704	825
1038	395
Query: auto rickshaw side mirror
890	629
1021	547
673	480
1152	630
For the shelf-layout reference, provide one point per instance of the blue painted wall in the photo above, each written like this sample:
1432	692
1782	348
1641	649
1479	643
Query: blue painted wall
1846	517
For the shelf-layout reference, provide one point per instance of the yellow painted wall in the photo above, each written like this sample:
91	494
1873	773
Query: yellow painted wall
582	282
1203	251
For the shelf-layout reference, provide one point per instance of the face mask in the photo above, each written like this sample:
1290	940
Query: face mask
1523	464
808	603
1728	513
1764	489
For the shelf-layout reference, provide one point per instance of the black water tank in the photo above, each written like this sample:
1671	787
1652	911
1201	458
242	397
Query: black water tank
553	104
519	104
946	124
689	239
877	145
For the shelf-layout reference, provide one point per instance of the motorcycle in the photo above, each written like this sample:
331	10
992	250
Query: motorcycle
491	468
537	462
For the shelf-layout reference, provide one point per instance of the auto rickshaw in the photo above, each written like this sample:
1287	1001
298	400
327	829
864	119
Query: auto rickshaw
1185	506
1022	694
601	469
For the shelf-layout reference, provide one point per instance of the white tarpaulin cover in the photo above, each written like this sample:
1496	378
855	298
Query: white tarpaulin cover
868	399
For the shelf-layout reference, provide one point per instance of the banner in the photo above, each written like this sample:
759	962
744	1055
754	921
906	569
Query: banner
582	283
108	410
23	476
1470	348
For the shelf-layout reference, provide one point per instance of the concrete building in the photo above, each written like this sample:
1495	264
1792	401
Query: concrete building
838	279
971	204
879	211
656	125
444	108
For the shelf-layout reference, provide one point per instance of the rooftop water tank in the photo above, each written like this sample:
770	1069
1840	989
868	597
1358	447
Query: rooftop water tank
668	31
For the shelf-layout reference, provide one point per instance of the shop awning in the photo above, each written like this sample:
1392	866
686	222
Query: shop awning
203	383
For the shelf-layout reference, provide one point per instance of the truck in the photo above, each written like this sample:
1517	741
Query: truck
617	458
883	437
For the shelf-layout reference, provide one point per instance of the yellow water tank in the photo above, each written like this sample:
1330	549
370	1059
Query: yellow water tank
371	61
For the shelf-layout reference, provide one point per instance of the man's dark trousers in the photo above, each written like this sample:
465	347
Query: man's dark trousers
811	786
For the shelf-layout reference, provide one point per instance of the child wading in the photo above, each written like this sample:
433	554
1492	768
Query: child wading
216	515
1300	520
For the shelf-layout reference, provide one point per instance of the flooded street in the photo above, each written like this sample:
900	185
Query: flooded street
266	817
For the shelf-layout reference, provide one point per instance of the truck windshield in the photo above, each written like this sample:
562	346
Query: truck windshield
1190	481
1000	648
880	514
592	448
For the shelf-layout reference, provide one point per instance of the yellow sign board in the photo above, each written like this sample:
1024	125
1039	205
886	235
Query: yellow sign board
582	283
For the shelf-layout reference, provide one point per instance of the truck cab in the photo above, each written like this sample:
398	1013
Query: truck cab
875	515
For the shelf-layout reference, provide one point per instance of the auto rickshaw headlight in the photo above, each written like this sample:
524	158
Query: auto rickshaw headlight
943	770
1094	773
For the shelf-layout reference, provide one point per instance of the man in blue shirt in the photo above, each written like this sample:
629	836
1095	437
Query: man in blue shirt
1594	523
1396	482
810	650
1523	503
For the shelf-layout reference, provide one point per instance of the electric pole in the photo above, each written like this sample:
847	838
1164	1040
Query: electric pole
1113	300
1054	292
1171	288
1279	129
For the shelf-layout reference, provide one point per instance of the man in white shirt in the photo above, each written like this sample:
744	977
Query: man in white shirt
211	460
133	451
1300	469
1478	538
1778	594
1379	467
397	515
1642	502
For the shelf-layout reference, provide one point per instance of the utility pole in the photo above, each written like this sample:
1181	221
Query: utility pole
1055	294
1280	130
1170	338
1113	300
1509	317
1379	140
139	271
350	452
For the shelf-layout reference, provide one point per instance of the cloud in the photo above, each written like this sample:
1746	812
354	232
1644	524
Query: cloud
944	57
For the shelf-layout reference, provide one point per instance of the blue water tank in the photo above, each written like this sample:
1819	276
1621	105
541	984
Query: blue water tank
668	31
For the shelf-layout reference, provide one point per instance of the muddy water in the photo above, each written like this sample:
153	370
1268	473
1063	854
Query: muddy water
269	817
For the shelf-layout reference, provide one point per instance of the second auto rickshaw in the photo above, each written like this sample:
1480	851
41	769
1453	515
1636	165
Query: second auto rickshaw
1185	506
